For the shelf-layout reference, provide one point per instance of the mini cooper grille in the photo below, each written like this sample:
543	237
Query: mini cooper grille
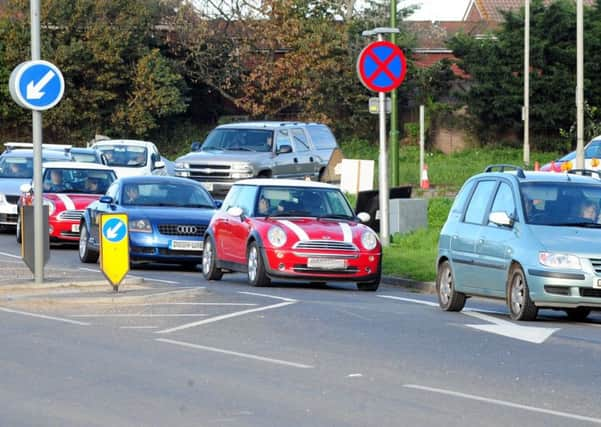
13	200
72	215
182	229
596	265
325	244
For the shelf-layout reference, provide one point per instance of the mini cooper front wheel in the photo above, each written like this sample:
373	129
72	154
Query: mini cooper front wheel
448	298
256	267
209	255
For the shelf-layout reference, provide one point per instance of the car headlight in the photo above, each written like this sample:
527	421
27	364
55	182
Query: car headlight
556	260
241	170
369	240
276	236
51	206
140	225
183	173
182	165
3	199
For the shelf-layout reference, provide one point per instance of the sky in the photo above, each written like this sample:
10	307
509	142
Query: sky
437	10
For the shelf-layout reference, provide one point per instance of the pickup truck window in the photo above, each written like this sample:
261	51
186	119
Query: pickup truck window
283	138
322	137
238	140
300	140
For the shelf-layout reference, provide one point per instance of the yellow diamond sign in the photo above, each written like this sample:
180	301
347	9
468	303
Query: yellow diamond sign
114	247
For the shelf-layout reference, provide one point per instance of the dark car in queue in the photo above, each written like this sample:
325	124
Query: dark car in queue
168	217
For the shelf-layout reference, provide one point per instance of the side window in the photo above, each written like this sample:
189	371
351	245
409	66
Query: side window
504	201
282	138
230	199
246	198
464	193
322	137
477	205
300	140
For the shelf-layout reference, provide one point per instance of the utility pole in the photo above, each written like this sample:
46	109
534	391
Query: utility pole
526	109
579	86
394	132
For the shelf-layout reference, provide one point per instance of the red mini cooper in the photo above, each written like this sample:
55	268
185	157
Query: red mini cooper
69	187
289	229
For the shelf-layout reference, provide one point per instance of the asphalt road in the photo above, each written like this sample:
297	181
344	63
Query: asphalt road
225	354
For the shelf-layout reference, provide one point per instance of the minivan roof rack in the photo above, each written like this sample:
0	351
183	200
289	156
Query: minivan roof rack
586	172
502	167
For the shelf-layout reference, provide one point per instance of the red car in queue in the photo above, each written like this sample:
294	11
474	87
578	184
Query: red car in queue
289	229
69	187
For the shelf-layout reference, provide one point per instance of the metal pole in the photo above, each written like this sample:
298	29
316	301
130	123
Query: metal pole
38	225
383	178
421	141
526	110
579	86
394	132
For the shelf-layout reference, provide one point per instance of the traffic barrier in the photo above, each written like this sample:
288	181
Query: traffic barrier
425	182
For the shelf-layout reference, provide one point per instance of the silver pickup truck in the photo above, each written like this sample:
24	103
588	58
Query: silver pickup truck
258	149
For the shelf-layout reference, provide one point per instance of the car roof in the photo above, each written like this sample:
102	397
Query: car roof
152	179
535	176
272	182
271	125
135	142
47	154
83	150
76	165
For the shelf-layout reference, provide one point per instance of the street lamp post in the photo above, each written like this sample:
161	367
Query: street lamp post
526	109
579	86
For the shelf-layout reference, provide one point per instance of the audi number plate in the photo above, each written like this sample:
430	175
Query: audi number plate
326	263
75	228
186	245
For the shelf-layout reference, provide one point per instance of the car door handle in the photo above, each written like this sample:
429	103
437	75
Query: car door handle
480	241
311	159
295	160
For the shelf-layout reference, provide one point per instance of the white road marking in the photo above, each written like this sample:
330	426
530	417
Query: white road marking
227	304
502	327
416	301
138	327
177	291
150	279
354	375
235	353
139	315
10	255
224	316
89	269
43	316
505	403
268	296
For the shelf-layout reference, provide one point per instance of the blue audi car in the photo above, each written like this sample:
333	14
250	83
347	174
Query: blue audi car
167	217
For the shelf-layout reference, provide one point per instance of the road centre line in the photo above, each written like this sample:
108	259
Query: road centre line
224	316
417	301
43	316
171	282
138	327
268	296
235	353
139	315
504	403
225	304
10	255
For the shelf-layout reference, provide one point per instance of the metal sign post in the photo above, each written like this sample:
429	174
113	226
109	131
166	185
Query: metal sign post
381	67
37	85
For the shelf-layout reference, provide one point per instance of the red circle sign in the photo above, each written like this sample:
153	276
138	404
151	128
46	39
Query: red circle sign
381	66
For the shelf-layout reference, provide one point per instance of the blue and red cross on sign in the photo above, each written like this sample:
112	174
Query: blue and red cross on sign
381	66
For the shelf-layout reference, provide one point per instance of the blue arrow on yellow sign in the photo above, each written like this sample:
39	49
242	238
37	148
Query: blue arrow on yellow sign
114	247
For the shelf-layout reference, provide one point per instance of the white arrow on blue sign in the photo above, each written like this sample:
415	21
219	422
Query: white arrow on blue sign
114	230
37	85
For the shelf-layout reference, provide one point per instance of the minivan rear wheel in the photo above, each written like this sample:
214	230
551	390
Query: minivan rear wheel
520	305
448	298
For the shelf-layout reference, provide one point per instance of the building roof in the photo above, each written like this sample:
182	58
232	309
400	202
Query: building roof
433	35
490	10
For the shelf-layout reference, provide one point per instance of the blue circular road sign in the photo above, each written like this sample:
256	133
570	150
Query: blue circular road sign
114	230
37	85
382	66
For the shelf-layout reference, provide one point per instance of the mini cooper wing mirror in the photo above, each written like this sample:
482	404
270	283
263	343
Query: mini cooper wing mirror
501	218
25	188
235	211
284	149
363	217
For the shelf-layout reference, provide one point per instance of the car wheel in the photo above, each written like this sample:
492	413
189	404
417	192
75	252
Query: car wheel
256	267
448	298
86	254
209	269
18	230
372	285
578	314
520	305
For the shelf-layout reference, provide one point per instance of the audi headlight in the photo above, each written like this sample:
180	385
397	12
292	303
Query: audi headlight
276	236
140	225
556	260
51	206
369	240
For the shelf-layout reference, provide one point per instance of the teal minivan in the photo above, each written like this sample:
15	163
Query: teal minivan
531	238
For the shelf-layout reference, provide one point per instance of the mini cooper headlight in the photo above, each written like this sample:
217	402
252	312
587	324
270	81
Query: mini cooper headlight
555	260
276	236
140	225
369	240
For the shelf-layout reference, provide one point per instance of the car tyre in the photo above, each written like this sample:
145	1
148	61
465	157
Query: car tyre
18	230
448	298
209	266
86	253
372	285
519	303
257	276
578	314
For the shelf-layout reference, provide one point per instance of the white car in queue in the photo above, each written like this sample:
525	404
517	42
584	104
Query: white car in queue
130	157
